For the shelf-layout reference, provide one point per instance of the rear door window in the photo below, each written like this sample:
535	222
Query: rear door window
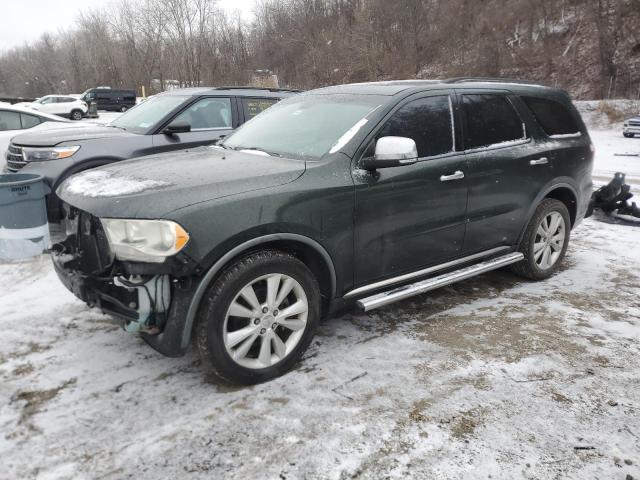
490	119
207	113
9	120
554	118
254	106
29	121
428	121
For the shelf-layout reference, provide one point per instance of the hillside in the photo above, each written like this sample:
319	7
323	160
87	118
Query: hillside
589	47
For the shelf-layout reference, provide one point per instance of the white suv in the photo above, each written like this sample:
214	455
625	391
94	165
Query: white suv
62	105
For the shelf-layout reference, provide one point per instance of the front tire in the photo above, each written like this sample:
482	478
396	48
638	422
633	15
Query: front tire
123	109
628	135
545	241
76	115
258	318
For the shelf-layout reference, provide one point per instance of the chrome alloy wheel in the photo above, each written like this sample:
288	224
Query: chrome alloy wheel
549	240
265	321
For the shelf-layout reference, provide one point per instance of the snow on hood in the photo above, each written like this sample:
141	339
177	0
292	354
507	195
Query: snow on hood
102	183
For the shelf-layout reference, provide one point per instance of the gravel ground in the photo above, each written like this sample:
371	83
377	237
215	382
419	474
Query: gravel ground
495	376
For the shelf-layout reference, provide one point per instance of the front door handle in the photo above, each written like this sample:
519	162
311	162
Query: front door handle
458	175
539	161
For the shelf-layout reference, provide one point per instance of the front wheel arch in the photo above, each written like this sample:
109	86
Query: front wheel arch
303	244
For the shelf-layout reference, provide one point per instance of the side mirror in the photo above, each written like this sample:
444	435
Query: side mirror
176	127
392	152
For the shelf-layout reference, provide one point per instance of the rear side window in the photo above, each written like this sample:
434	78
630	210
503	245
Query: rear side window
490	120
9	120
207	113
253	106
428	121
553	117
29	121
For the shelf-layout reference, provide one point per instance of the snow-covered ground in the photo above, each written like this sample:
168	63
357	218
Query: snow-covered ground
495	376
615	153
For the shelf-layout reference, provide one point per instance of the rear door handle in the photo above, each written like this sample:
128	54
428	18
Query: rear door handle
539	161
458	175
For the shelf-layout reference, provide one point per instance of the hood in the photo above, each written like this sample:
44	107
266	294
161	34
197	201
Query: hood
151	187
635	119
56	136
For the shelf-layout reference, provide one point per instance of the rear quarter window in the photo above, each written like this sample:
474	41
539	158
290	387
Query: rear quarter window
554	118
29	121
254	106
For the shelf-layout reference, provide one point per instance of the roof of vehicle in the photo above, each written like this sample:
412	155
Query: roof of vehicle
393	87
233	90
20	109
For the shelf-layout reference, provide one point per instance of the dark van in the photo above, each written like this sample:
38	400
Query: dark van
110	98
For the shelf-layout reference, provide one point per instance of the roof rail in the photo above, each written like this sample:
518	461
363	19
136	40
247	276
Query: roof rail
488	80
269	89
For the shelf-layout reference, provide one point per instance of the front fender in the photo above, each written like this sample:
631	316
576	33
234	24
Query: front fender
176	336
215	269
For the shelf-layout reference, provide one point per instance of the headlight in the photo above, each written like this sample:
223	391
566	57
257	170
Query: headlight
144	240
48	153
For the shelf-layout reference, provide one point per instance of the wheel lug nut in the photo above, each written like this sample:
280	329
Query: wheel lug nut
274	326
265	309
275	313
256	321
263	331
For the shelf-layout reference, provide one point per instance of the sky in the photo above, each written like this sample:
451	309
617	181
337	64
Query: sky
25	20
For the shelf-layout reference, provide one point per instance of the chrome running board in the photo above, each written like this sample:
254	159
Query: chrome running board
424	272
400	293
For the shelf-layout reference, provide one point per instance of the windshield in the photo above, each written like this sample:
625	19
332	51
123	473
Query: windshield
147	114
305	126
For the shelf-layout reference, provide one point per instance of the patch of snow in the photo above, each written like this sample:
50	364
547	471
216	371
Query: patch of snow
101	183
566	135
349	134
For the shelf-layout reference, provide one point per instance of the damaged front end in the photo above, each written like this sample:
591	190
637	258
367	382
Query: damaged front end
147	297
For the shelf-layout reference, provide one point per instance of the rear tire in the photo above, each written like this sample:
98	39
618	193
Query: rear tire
76	115
123	109
545	241
258	318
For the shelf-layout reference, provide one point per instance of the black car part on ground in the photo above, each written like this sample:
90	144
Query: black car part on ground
613	199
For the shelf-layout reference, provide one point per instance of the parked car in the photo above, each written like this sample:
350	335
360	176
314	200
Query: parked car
15	120
631	127
61	105
169	121
110	98
366	192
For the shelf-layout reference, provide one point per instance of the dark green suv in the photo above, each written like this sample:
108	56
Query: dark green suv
365	193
